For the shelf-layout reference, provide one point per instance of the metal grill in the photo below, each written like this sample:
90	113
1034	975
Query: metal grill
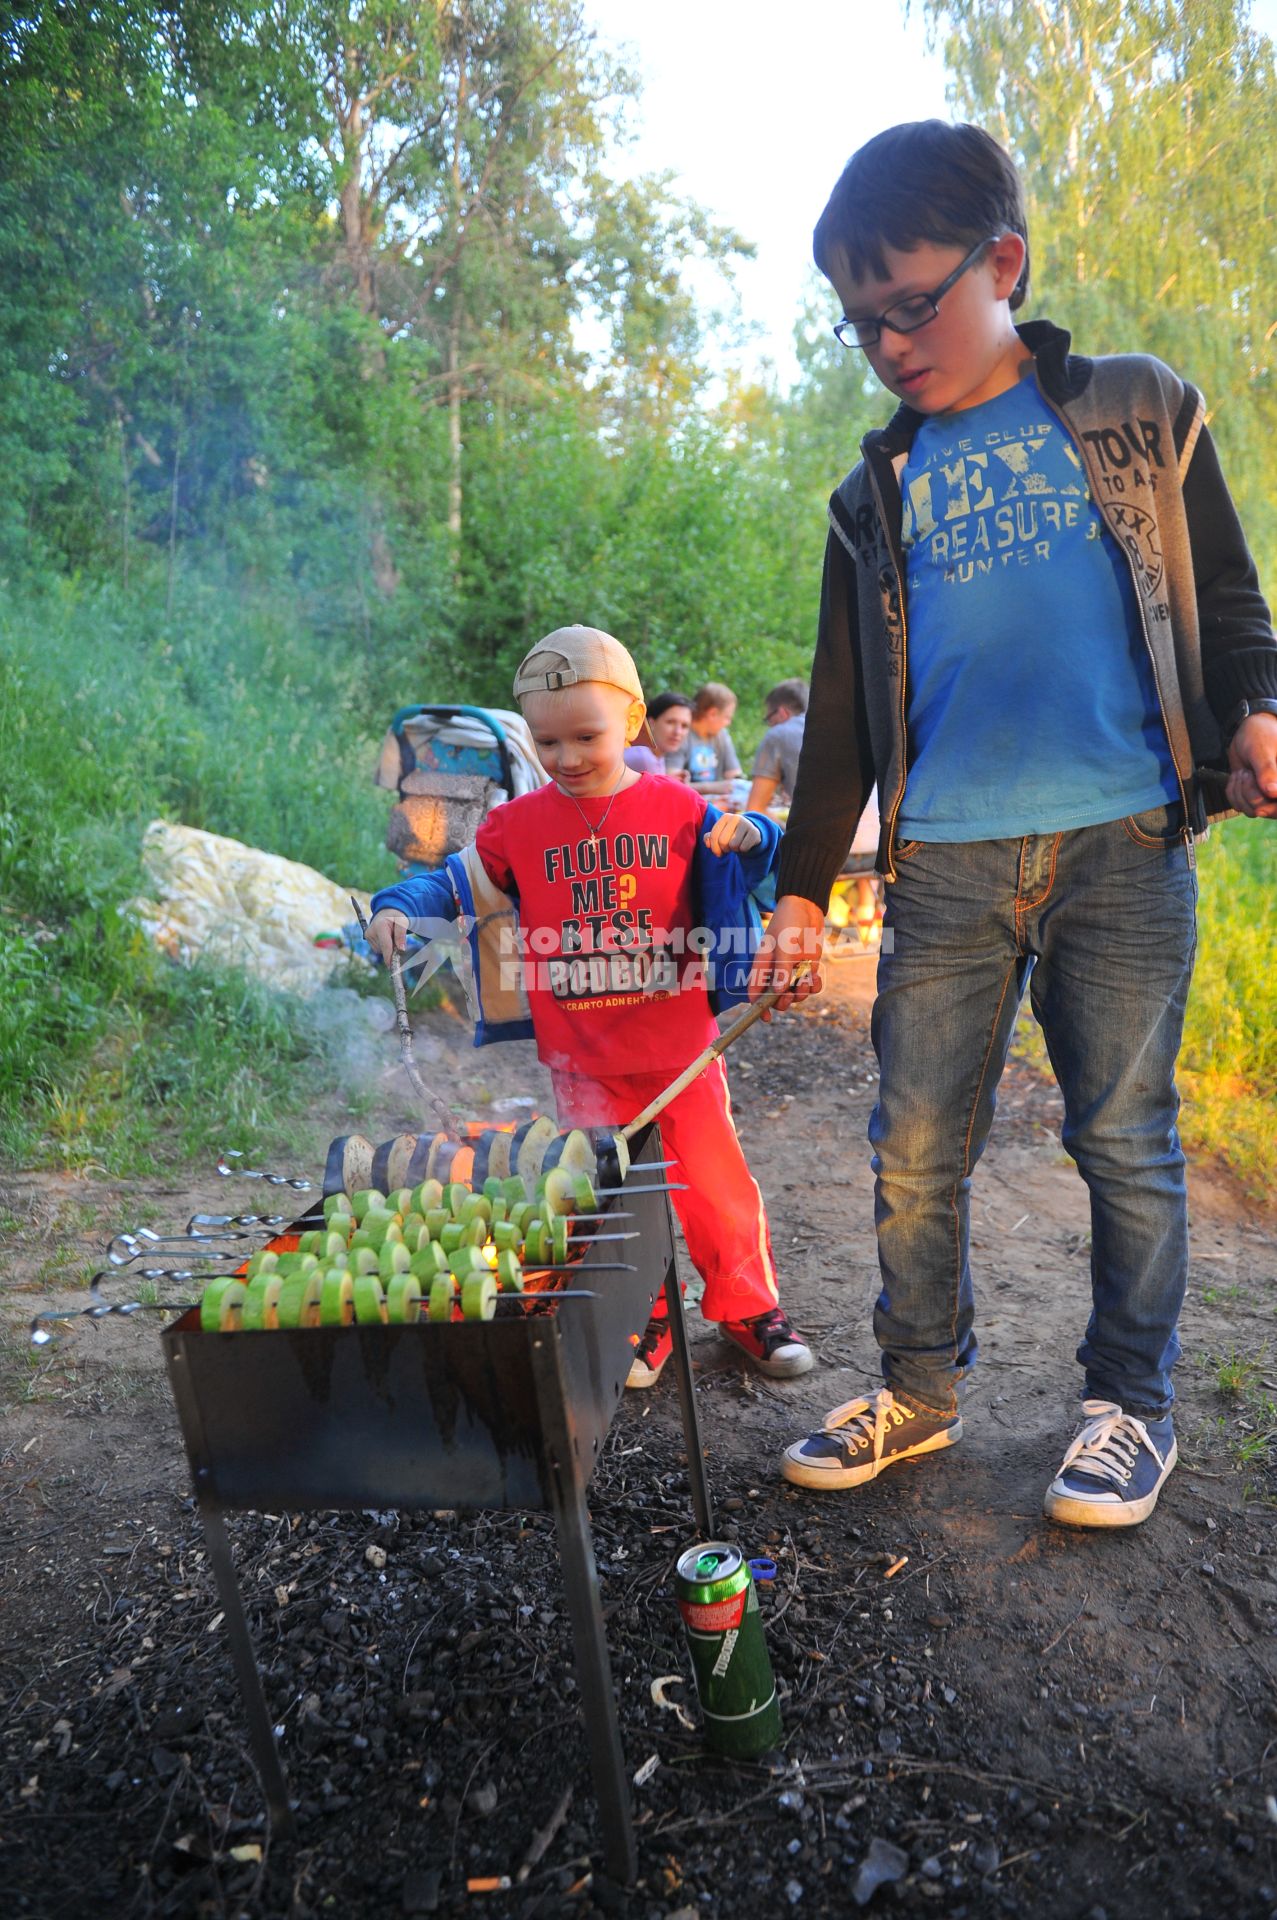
506	1413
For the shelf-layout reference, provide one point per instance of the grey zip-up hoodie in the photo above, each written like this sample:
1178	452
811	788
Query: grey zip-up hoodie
1155	476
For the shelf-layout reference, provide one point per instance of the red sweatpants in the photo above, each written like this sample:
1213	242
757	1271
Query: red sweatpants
721	1212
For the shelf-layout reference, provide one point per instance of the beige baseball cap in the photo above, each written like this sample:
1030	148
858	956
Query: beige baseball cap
572	654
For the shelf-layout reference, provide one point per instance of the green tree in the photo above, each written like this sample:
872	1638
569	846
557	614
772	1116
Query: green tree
1146	133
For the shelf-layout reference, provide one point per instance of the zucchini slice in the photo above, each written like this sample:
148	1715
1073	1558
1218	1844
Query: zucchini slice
560	1190
509	1273
403	1300
467	1263
261	1303
299	1301
428	1262
479	1297
443	1295
370	1301
394	1258
336	1299
222	1305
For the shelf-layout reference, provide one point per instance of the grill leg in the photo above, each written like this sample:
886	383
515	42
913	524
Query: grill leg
682	1358
594	1676
260	1732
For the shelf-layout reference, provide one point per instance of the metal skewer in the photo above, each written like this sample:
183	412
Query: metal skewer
40	1335
252	1173
233	1220
160	1242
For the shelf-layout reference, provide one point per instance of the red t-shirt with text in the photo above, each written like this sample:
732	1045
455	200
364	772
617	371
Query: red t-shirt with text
615	981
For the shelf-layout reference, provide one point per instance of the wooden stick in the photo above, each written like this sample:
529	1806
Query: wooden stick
711	1053
451	1125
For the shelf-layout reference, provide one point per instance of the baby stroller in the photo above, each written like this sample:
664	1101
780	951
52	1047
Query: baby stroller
449	767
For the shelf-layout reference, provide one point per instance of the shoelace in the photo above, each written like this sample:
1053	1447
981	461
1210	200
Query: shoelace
1108	1445
868	1418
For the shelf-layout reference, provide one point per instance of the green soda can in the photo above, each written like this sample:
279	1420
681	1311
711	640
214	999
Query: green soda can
719	1604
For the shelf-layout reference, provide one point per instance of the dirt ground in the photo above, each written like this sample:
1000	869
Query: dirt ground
983	1714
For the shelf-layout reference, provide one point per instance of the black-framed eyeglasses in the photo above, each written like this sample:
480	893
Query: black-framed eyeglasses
906	316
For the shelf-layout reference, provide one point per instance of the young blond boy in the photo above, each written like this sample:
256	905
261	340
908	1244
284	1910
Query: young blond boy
617	875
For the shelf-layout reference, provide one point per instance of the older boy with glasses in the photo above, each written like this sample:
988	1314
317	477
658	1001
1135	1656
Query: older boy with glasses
1042	635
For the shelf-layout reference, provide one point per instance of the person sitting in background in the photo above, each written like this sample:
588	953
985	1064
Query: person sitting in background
640	757
776	763
712	763
669	721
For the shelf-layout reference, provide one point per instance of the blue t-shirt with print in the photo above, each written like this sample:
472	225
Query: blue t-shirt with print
1032	706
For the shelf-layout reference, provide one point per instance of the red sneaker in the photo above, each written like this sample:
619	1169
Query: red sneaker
770	1343
653	1350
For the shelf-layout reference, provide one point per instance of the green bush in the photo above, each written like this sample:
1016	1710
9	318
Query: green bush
226	716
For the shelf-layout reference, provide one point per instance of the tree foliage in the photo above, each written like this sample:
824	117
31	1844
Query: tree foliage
1147	133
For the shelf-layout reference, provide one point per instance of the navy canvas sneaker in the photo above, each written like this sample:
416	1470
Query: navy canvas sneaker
862	1437
1113	1470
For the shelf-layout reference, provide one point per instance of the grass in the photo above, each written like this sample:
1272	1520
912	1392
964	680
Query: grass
1248	1425
1229	1063
225	715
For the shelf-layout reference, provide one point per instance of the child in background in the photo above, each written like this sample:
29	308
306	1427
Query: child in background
712	763
669	721
612	872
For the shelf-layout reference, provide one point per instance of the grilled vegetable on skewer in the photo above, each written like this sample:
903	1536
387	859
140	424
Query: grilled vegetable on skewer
370	1301
403	1300
533	1141
479	1297
492	1155
299	1301
443	1294
261	1302
349	1164
337	1299
222	1306
392	1160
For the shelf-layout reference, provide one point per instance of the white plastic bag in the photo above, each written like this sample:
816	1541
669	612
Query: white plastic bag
221	900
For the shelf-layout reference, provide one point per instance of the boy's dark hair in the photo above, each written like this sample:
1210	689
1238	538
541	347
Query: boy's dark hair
923	181
664	701
787	693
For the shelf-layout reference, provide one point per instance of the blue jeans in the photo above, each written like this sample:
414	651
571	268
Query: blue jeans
1101	923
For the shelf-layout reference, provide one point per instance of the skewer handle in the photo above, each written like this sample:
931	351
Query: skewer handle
739	1025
